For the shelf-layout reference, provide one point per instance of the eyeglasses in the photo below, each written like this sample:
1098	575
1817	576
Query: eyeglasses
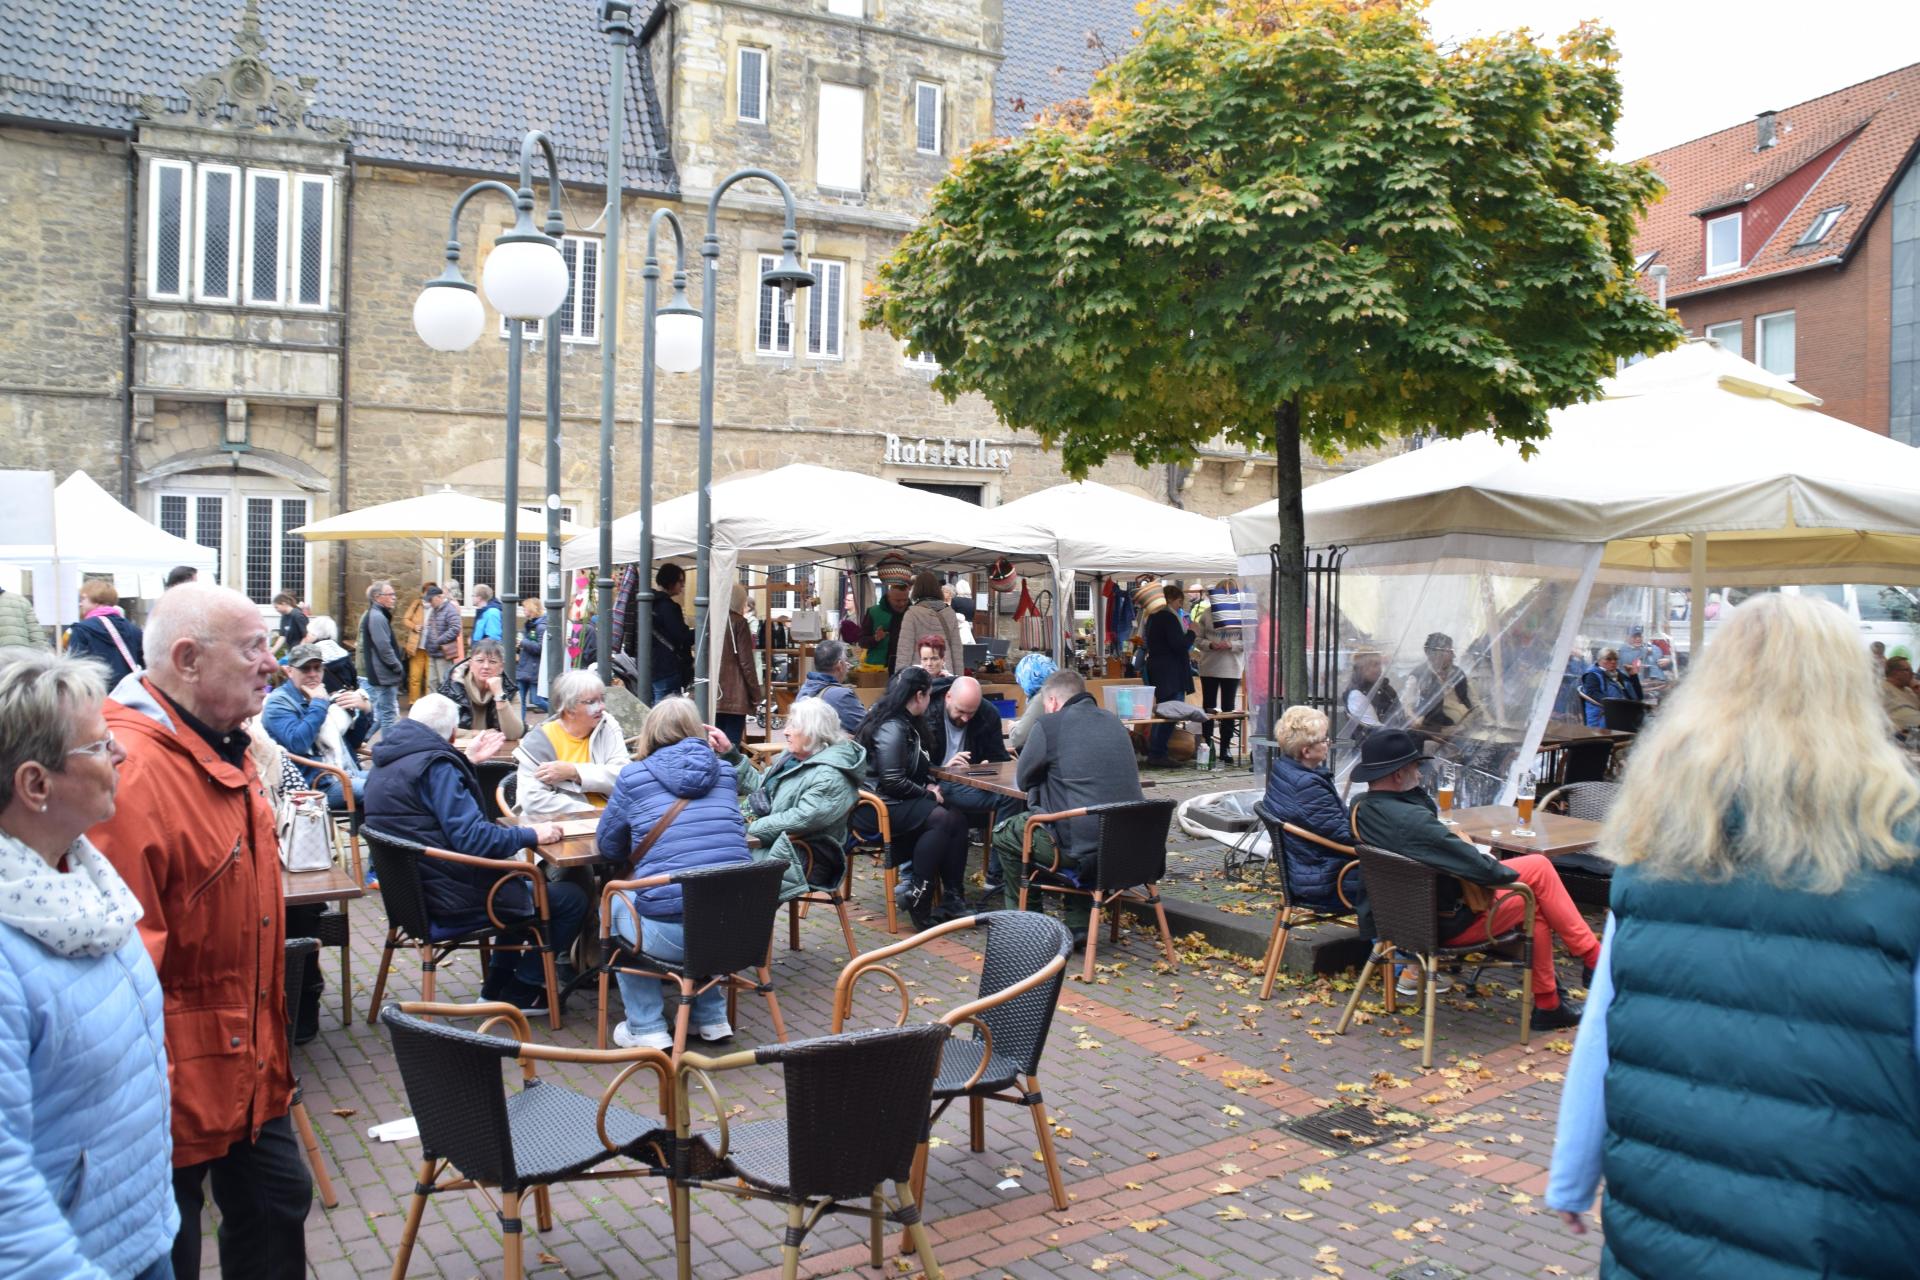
104	747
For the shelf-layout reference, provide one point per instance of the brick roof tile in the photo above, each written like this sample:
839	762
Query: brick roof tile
1879	121
1053	49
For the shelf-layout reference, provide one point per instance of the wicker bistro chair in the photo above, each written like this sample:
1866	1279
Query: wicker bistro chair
1590	800
1020	980
836	896
856	1108
728	914
875	839
1292	912
1132	858
1404	896
497	786
330	928
521	1141
506	797
397	863
300	954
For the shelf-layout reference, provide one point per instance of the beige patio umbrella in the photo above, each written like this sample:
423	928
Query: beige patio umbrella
445	517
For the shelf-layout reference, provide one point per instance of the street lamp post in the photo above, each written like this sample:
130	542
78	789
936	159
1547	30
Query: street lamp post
617	16
788	277
525	279
671	340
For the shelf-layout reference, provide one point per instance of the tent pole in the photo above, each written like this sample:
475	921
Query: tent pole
1099	624
1697	595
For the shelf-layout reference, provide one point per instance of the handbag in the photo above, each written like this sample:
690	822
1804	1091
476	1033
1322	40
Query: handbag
805	624
1035	620
306	835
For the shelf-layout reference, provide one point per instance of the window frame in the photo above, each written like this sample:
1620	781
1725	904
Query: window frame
1824	222
763	263
939	117
853	93
824	269
839	9
248	237
296	238
1760	324
188	225
740	81
924	360
1739	257
237	176
530	330
1740	335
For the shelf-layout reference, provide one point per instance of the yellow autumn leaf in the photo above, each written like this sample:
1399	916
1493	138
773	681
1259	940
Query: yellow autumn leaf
1382	1207
1314	1182
1145	1225
1224	1189
1134	1186
1232	1213
1401	1233
1232	1111
1295	1215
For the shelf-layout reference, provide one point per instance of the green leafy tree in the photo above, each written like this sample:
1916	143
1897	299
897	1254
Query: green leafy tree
1292	222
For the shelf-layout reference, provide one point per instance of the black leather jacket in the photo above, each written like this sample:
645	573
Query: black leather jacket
897	766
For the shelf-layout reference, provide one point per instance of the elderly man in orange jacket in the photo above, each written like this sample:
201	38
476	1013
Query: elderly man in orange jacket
193	837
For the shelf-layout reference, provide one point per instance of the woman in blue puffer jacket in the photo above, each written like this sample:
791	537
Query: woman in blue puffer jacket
677	762
1301	791
86	1152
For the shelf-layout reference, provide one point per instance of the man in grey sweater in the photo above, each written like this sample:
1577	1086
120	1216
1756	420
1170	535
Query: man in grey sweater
382	669
1077	755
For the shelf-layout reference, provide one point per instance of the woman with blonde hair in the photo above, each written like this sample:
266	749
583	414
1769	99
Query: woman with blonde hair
674	809
1300	791
1748	1073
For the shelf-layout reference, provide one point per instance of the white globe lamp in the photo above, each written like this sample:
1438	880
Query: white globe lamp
448	316
677	332
525	276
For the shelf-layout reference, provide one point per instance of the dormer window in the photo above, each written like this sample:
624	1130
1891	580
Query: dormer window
1645	260
1822	223
1723	244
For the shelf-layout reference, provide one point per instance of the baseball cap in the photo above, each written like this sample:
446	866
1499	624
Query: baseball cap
302	654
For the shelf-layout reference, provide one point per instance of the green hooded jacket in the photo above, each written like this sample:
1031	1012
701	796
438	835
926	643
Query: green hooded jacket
812	799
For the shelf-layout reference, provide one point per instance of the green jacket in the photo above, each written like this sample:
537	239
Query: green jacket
1408	823
1762	1093
18	625
812	799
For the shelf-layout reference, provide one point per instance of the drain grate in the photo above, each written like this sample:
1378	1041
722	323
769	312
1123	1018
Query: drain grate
1356	1126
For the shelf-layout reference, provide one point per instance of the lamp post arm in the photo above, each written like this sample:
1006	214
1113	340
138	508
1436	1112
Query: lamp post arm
650	274
615	16
538	138
460	207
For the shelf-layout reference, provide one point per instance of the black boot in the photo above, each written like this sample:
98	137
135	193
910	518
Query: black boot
917	896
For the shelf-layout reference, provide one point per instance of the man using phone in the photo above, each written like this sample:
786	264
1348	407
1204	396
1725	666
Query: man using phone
963	730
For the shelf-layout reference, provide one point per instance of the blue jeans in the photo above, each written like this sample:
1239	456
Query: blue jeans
645	998
1157	739
386	703
328	785
568	904
161	1269
665	687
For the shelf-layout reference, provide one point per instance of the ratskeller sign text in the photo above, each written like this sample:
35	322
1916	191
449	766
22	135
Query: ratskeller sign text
943	452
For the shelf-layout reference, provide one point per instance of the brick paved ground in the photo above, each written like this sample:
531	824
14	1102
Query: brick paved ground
1169	1092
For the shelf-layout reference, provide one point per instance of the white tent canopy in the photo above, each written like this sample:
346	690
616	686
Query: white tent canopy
810	514
1097	529
444	517
93	533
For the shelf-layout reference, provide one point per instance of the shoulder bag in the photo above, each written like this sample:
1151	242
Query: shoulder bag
657	830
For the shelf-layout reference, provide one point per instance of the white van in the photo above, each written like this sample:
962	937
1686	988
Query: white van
1888	614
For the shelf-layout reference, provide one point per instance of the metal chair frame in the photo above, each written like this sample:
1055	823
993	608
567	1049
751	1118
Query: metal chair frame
1404	897
1107	895
1292	913
300	954
881	847
1046	978
804	1210
332	930
835	896
432	952
622	958
494	1129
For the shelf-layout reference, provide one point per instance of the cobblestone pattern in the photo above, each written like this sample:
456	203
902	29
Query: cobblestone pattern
1168	1091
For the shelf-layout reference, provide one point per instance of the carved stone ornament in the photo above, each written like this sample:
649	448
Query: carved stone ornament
248	84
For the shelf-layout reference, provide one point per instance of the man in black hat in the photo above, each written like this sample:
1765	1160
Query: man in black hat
1398	815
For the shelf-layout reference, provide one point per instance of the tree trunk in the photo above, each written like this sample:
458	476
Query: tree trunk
1290	610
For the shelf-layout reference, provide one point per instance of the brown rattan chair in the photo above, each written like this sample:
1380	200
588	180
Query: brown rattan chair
878	841
728	914
1292	912
397	863
1590	800
506	796
497	783
856	1109
1131	859
1404	897
300	954
1020	980
330	927
521	1141
834	895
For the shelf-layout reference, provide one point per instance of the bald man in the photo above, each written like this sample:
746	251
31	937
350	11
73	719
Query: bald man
193	837
962	728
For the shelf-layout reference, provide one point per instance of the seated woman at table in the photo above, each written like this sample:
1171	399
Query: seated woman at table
1300	790
484	691
807	792
323	633
925	832
1606	680
574	758
1371	698
674	809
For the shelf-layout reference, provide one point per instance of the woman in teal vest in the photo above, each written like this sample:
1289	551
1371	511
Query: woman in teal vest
1747	1076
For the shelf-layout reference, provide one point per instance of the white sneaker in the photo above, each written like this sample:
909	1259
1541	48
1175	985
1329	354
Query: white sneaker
1409	983
627	1038
714	1032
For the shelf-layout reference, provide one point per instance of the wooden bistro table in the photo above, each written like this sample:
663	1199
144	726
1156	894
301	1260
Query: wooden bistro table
576	855
310	888
997	777
1554	833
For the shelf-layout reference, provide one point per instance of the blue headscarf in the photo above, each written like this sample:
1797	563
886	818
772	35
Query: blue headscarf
1032	671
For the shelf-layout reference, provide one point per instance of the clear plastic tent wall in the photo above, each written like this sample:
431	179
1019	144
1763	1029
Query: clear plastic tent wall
1462	638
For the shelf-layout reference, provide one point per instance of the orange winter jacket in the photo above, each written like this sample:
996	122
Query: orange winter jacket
194	839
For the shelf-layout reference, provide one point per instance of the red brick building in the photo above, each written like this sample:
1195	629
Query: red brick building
1794	239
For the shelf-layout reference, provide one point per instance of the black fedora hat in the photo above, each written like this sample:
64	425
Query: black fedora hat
1384	752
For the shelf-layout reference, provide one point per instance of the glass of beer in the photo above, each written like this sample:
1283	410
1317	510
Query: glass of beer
1444	780
1523	800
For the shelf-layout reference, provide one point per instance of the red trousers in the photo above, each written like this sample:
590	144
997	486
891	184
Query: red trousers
1555	912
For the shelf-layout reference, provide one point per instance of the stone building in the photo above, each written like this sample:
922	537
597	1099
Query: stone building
222	216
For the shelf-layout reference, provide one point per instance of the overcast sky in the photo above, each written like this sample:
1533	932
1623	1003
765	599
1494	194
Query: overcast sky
1690	68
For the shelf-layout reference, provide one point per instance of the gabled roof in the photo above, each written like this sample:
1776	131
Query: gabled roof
1873	125
1053	49
434	83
